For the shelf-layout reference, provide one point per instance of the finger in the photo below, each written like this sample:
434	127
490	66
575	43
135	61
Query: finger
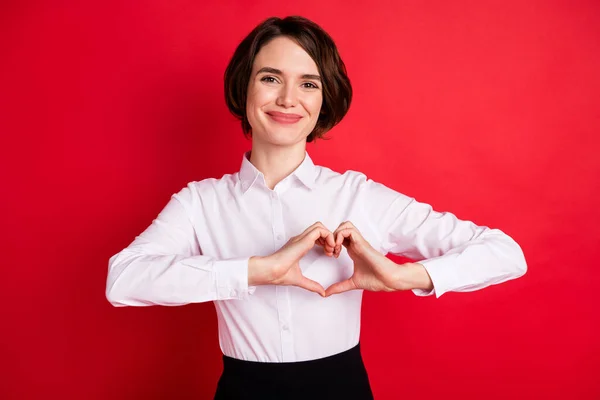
327	243
344	225
340	287
338	243
339	238
330	240
311	285
329	250
346	234
308	230
317	233
337	250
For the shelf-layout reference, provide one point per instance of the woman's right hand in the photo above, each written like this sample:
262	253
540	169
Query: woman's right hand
283	266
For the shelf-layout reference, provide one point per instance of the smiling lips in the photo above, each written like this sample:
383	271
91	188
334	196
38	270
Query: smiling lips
284	118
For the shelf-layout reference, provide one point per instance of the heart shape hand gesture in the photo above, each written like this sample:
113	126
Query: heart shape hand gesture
372	270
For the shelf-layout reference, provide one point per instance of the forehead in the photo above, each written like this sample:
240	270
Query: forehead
286	55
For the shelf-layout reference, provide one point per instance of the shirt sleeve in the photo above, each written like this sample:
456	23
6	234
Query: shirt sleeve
164	265
459	255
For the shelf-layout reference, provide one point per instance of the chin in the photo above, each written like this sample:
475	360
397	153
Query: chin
282	138
284	141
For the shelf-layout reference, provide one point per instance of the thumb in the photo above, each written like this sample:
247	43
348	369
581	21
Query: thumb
340	287
311	285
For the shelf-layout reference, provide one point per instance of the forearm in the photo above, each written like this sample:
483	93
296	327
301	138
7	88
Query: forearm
137	279
491	259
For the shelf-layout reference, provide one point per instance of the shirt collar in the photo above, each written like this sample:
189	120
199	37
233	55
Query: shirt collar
306	172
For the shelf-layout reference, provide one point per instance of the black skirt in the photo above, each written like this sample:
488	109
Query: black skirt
340	376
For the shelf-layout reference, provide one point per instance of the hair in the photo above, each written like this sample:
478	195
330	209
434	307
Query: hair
337	90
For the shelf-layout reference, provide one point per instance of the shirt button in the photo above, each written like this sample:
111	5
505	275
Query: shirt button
285	327
279	237
232	292
274	195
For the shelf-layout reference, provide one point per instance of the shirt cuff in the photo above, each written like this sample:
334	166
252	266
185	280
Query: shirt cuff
440	271
232	279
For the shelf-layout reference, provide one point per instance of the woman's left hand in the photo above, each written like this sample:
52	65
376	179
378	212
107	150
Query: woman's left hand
372	270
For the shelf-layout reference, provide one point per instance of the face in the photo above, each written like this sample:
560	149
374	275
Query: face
284	94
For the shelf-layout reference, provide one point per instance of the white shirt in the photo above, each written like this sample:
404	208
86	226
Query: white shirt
197	249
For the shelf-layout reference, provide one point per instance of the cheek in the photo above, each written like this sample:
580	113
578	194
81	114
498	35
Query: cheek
253	103
251	100
314	105
258	97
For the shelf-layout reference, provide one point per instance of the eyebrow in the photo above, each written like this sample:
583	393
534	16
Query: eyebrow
278	72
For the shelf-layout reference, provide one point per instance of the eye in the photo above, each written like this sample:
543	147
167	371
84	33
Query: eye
309	85
268	79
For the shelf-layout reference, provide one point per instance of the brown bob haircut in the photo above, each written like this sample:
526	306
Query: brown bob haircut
337	91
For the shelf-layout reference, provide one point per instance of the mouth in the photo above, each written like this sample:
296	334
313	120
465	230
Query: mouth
284	118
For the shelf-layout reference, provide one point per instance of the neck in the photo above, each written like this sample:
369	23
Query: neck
277	162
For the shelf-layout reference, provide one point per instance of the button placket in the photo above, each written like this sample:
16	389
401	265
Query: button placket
285	329
284	317
282	292
278	231
287	337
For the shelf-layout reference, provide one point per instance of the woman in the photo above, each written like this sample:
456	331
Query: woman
289	311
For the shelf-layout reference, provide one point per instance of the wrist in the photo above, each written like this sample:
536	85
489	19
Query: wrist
254	270
259	271
420	277
413	276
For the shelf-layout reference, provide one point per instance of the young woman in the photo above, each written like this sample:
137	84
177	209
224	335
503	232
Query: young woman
289	311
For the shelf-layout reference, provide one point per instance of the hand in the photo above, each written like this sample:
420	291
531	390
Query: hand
372	270
283	268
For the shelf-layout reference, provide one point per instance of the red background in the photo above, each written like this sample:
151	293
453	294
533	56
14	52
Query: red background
485	109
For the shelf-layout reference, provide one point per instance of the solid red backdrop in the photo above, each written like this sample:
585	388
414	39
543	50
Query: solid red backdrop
488	110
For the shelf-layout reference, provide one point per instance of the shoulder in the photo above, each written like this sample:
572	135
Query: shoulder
376	198
355	180
349	178
196	192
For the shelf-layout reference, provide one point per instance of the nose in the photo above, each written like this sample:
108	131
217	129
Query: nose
287	96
